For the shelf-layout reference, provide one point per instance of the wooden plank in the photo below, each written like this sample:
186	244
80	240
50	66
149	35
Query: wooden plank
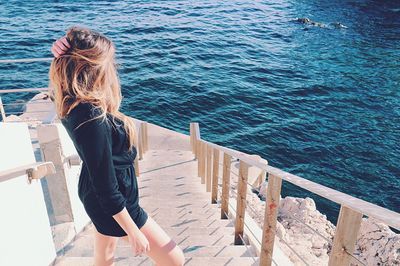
270	216
241	202
226	179
209	168
347	228
214	190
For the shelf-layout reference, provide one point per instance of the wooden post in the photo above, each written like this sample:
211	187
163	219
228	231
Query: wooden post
136	161
146	138
136	165
209	167
347	228
202	161
270	216
261	178
214	190
51	149
198	144
3	113
143	128
226	179
241	202
140	141
196	129
192	137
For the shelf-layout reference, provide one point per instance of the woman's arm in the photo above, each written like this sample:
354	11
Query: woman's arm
94	140
136	238
126	222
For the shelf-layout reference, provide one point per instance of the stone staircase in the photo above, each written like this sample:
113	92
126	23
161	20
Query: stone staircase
172	194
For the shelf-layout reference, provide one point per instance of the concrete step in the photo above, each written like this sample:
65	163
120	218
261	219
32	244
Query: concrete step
219	251
169	180
146	261
180	208
173	190
180	203
178	212
194	223
178	197
186	215
210	208
83	245
170	187
226	261
185	231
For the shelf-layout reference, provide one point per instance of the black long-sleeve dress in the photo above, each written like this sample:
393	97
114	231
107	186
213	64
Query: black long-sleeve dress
107	182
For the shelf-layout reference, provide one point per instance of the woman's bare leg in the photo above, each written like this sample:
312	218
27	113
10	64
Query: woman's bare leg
163	250
104	248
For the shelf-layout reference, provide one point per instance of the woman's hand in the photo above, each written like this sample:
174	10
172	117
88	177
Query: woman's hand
60	46
136	238
139	243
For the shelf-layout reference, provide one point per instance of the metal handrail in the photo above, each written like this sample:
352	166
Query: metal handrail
25	60
47	120
23	90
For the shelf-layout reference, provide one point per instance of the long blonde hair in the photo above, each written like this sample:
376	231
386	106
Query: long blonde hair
87	72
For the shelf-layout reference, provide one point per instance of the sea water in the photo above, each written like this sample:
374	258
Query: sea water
319	101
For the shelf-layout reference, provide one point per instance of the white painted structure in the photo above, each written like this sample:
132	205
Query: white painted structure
25	231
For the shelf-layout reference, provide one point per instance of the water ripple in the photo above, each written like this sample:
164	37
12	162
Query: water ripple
319	102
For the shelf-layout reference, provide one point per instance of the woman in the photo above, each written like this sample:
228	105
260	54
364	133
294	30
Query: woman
86	91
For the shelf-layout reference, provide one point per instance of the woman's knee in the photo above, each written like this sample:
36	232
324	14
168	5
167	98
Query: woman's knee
104	248
178	257
173	257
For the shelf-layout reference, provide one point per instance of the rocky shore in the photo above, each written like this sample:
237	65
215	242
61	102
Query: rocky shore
310	234
377	244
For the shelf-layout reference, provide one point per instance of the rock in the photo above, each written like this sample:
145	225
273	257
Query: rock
263	190
281	232
377	244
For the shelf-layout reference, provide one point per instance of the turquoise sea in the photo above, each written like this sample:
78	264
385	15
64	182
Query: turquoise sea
319	102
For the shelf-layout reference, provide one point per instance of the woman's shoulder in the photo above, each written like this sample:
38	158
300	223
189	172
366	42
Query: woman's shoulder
80	113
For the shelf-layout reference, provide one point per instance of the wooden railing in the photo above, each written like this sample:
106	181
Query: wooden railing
351	211
33	171
142	143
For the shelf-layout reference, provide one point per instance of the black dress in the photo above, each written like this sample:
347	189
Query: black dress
107	182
